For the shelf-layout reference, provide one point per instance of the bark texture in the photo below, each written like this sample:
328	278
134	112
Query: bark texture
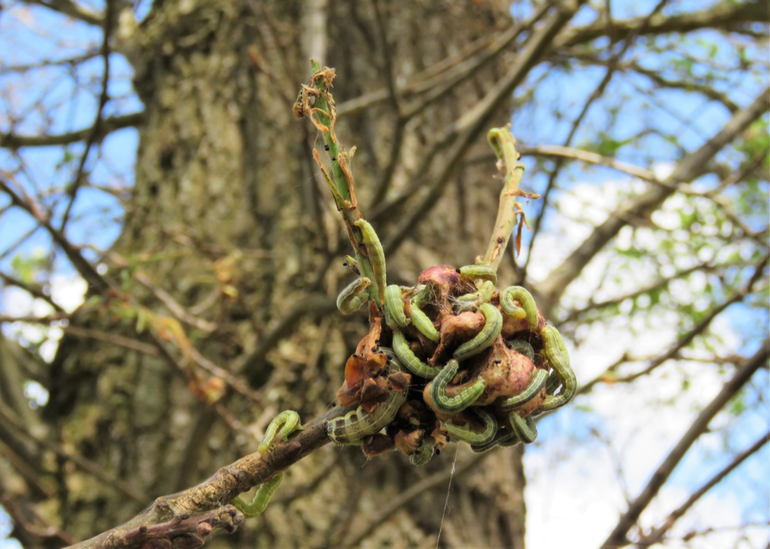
230	217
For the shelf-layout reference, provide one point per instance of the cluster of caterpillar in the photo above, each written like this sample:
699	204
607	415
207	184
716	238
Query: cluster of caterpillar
481	364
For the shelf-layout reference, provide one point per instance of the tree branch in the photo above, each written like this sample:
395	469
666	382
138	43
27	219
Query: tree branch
410	494
469	126
13	141
312	304
618	537
72	192
612	66
85	464
724	16
203	511
71	9
693	166
658	534
681	343
96	281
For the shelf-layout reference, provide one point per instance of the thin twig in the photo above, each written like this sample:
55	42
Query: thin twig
691	167
86	465
180	516
609	374
618	537
472	123
32	289
659	533
504	145
108	19
595	95
111	124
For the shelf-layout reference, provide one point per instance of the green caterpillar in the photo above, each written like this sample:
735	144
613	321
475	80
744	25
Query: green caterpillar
507	438
487	336
534	386
471	301
475	437
523	347
376	256
525	429
482	272
457	403
359	423
282	425
261	498
528	307
408	358
394	308
353	296
557	355
424	453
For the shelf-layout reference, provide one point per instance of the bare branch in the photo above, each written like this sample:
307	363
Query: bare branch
203	511
681	343
309	305
72	9
691	167
469	126
657	285
96	281
658	534
86	465
612	66
410	494
68	61
618	537
72	192
589	157
32	289
113	339
13	141
723	16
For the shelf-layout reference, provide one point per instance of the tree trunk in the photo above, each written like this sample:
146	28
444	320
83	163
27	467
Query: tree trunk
230	217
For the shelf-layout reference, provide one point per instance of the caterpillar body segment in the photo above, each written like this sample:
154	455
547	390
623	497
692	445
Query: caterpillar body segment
557	355
423	323
423	454
353	296
532	389
482	272
376	256
457	403
470	436
422	295
523	347
394	308
408	358
528	308
282	425
392	358
525	429
487	336
508	438
359	423
473	300
553	384
261	498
